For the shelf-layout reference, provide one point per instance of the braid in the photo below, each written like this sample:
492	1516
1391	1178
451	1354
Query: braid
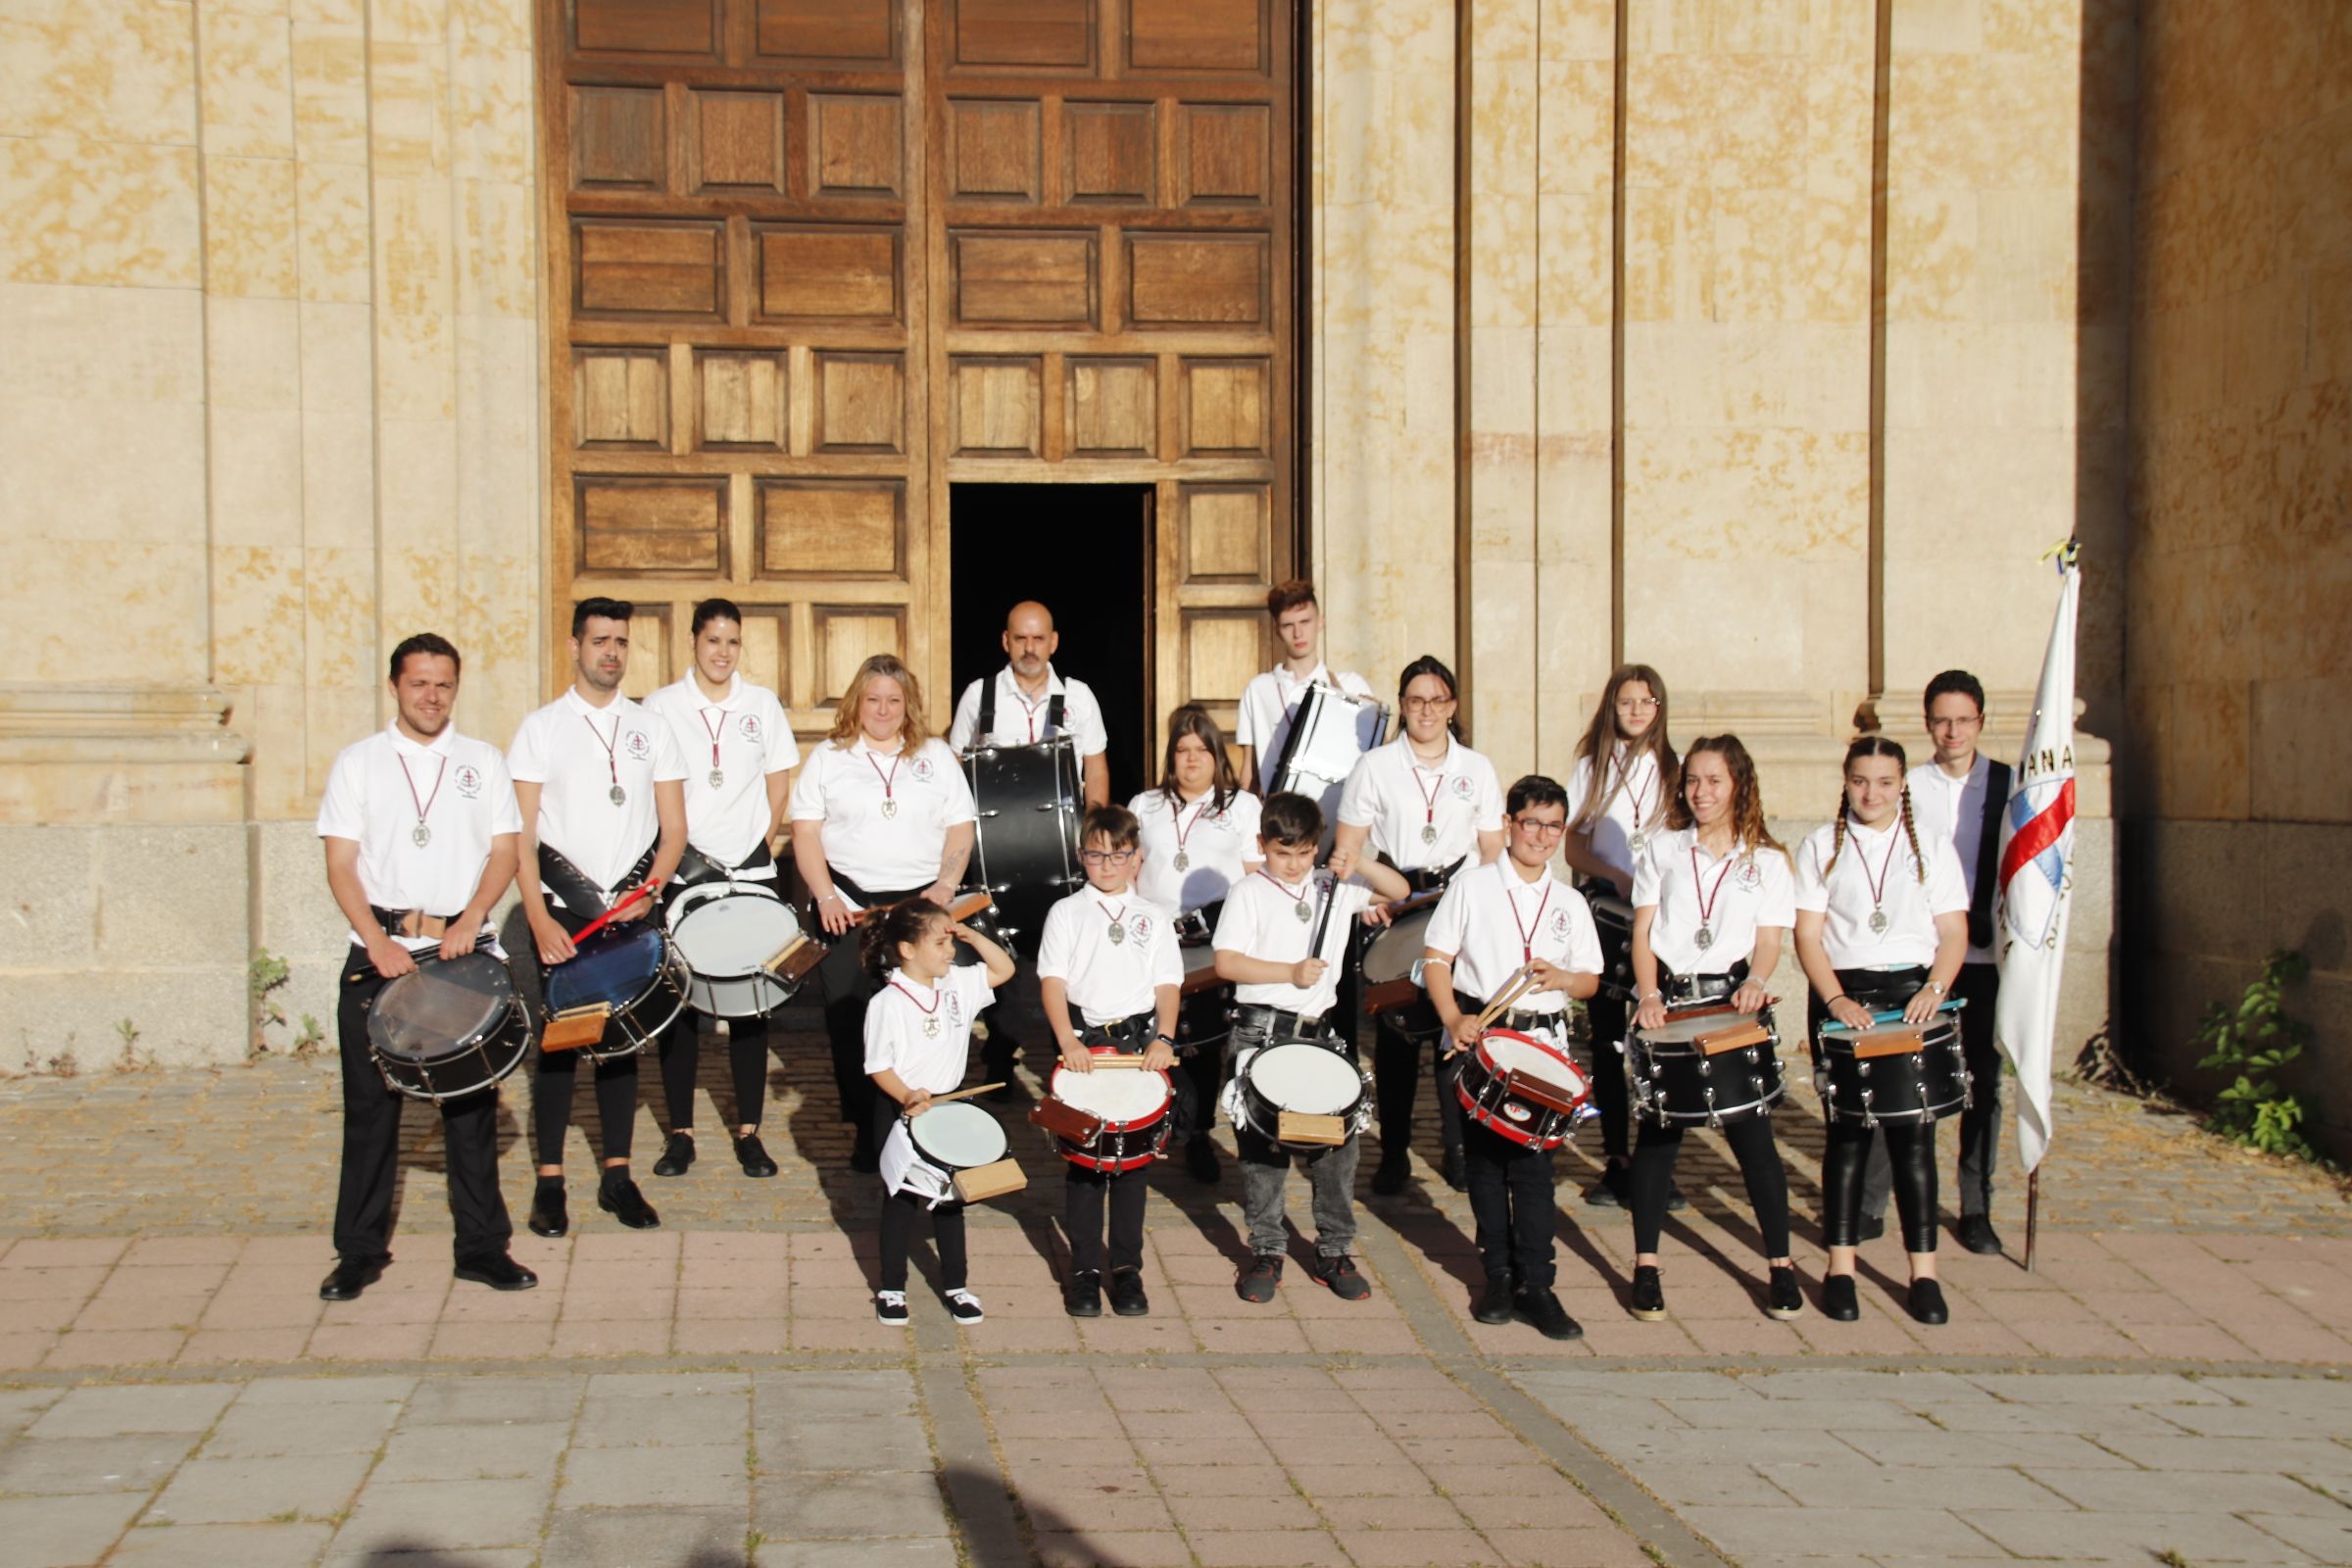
1837	841
1919	861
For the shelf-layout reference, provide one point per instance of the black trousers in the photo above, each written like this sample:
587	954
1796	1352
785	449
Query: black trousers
1511	1199
1202	1028
371	1143
848	987
1086	1193
555	1073
1606	1013
681	1062
1655	1149
1869	1167
1402	1039
901	1210
1979	984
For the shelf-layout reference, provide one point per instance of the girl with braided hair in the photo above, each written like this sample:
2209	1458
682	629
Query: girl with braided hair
1879	925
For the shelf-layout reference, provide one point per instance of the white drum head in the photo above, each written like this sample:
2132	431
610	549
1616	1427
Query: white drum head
1505	1054
958	1135
1121	1094
733	933
1310	1080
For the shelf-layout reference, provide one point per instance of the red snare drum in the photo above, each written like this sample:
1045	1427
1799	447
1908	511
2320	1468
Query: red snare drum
1523	1089
1112	1120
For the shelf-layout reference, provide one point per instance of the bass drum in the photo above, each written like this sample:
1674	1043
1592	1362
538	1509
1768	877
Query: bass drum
1026	851
451	1027
1325	734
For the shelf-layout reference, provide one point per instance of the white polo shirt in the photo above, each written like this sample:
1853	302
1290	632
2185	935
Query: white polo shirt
732	748
578	755
1260	920
1271	700
1492	920
1020	721
923	1033
885	813
1216	844
1109	979
1952	810
1877	871
382	788
1731	897
1422	817
1635	806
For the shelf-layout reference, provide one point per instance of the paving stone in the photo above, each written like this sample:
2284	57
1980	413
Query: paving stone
493	1402
1138	1548
2118	1388
63	1532
2083	1537
476	1557
2327	1536
325	1391
56	1465
432	1516
519	1452
207	1492
285	1546
2310	1456
678	1420
2163	1491
105	1413
1877	1531
895	1443
848	1506
646	1536
1872	1486
937	1552
704	1477
268	1430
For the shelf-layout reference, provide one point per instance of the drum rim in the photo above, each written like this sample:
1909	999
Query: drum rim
684	917
429	968
961	1111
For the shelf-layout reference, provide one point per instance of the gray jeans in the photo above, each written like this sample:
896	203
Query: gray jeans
1266	1169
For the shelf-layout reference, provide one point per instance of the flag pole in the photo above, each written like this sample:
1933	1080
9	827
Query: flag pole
2032	1214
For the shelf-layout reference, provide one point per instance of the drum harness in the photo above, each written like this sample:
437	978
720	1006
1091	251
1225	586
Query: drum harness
984	732
582	896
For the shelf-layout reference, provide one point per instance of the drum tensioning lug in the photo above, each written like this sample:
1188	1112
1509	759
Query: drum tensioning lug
1869	1117
991	812
1713	1120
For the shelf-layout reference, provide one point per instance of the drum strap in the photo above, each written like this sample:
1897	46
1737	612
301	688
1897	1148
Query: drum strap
1988	856
1701	987
580	896
985	728
694	867
1428	879
1273	1021
1131	1035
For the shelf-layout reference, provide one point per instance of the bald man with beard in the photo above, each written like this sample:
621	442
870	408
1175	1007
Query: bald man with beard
1019	711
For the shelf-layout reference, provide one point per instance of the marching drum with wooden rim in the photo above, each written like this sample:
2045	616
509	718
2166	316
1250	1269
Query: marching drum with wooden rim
1893	1071
1523	1089
1710	1064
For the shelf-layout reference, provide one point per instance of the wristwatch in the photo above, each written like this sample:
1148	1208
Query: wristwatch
1166	1041
1938	987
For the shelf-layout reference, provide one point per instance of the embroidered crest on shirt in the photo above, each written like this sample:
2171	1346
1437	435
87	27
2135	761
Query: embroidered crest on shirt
1460	786
639	745
749	726
1140	928
469	780
920	770
1749	876
1559	924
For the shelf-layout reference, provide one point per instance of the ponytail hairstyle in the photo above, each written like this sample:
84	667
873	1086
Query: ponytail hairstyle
1431	665
907	921
1874	745
1599	746
1748	832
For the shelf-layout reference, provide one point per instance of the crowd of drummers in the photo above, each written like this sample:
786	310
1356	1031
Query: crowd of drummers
1211	948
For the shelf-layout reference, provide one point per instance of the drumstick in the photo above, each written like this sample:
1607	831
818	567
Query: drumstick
1331	892
960	1094
607	918
1521	982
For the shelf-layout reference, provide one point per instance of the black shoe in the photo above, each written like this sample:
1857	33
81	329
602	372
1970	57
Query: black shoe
890	1308
677	1152
1871	1229
752	1155
1082	1297
1200	1158
1550	1318
348	1279
498	1271
1838	1303
1457	1169
1927	1303
1493	1303
1127	1298
1340	1273
1609	1191
1785	1298
549	1215
1976	1233
1261	1279
1394	1168
624	1203
1676	1203
1650	1295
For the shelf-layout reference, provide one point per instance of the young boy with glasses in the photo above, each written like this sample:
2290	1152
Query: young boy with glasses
1112	956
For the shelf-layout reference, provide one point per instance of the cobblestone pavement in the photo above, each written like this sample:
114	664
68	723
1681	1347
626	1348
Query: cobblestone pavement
2169	1380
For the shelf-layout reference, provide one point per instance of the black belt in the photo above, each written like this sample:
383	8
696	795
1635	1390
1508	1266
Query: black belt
393	919
1424	879
1132	1035
1881	987
1674	987
1520	1018
1197	928
1272	1021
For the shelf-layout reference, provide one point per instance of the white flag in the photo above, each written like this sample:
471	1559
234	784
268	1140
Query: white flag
2036	879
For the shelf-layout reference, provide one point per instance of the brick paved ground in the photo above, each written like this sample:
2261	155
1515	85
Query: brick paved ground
716	1391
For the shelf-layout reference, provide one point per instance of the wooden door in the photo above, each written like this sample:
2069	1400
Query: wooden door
812	261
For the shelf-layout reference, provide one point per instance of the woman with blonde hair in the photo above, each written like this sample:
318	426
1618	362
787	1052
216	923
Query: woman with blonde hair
881	812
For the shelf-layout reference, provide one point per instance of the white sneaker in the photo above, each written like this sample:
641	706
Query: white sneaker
889	1307
965	1306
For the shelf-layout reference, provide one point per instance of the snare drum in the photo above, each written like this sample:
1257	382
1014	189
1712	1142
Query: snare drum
1523	1089
1712	1064
1613	922
630	978
956	1152
1391	967
1114	1120
1893	1071
451	1027
728	933
1025	850
1300	1095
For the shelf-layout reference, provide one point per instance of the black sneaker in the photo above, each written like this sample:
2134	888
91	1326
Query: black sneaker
1261	1279
1200	1159
1976	1232
1082	1297
1493	1304
1837	1301
752	1155
1650	1295
1609	1191
1544	1309
1340	1273
964	1307
677	1152
1127	1298
1394	1169
890	1307
1787	1299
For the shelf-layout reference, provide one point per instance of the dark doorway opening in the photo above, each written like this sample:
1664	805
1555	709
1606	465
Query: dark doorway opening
1084	551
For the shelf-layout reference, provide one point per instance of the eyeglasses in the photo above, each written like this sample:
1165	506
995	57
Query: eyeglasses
1548	829
1427	705
1636	703
1106	857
